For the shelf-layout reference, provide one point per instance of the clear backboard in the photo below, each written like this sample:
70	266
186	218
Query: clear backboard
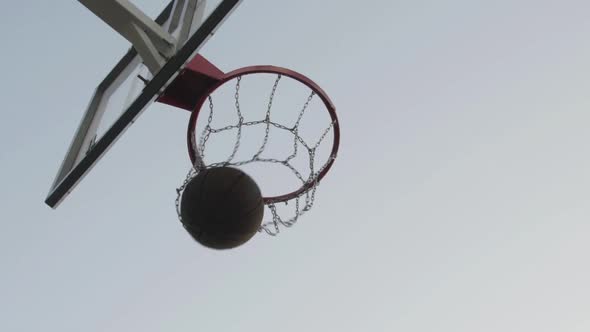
161	49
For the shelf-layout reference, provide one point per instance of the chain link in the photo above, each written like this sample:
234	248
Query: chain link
239	124
271	227
267	118
191	173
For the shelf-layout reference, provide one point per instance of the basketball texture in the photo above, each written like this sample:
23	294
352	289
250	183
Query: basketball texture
222	207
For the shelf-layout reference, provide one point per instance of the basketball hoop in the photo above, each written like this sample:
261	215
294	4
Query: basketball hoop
303	197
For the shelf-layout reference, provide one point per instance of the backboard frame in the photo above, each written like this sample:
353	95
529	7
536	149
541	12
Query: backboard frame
72	171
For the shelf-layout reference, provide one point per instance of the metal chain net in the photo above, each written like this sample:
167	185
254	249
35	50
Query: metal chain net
302	202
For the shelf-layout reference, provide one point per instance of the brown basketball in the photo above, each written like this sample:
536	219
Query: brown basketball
222	207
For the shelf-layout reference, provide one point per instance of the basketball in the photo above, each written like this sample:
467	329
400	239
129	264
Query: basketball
222	207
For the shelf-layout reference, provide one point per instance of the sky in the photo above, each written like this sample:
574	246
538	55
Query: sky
458	201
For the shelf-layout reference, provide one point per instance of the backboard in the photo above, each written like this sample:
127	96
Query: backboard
161	49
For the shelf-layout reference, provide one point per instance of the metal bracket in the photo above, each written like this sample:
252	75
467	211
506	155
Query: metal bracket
151	41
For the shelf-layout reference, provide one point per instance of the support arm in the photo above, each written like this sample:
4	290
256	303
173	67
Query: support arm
150	40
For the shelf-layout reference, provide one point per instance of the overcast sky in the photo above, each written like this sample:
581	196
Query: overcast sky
459	201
